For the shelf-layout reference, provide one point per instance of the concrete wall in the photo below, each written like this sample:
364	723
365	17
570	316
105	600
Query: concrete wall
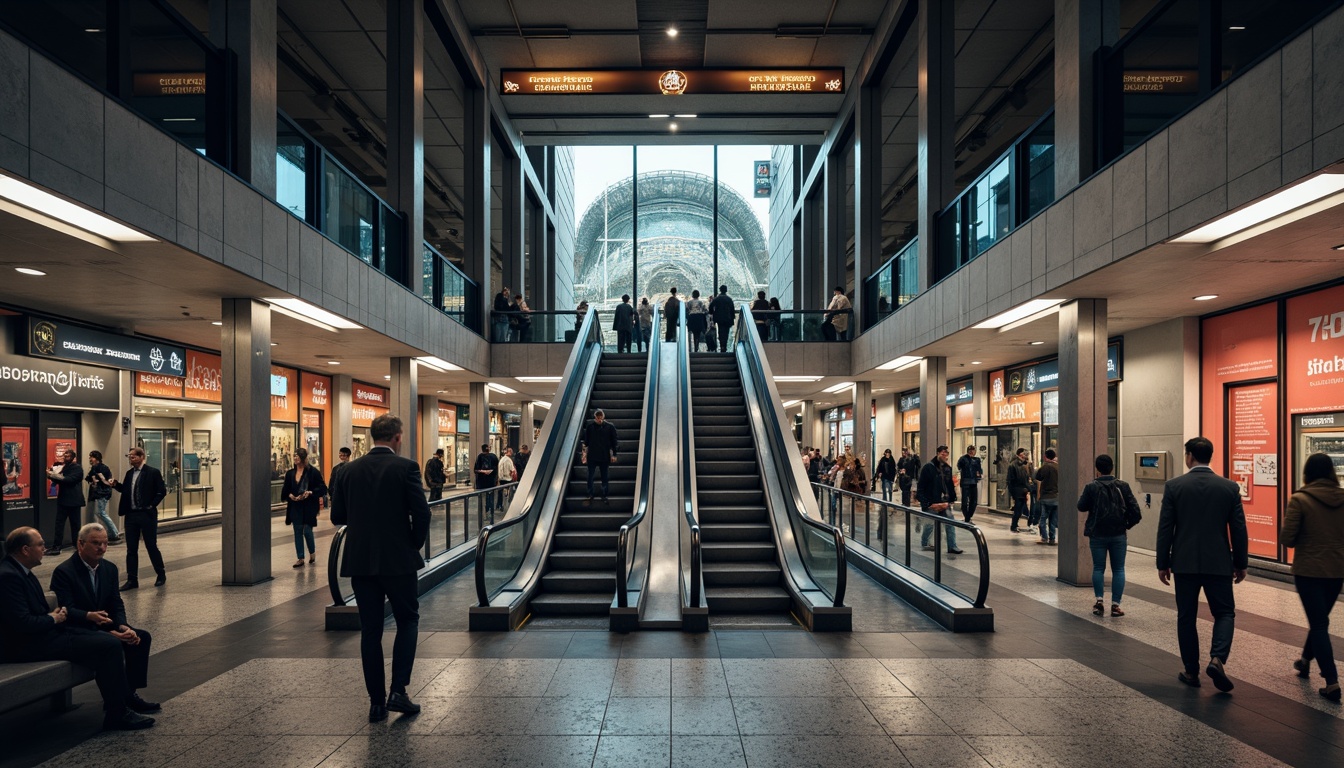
1276	123
1159	401
62	134
779	273
886	433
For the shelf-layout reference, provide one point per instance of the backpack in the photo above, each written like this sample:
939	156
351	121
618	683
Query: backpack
1110	516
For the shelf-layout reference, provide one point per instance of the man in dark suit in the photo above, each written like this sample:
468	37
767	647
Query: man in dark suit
141	492
86	587
599	439
486	470
69	478
724	312
1201	537
381	502
29	631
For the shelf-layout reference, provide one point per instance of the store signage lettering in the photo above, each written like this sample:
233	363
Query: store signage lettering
319	393
168	84
28	381
1045	374
1160	81
1309	422
205	377
368	395
960	392
1314	359
910	402
158	385
669	82
58	339
764	178
447	419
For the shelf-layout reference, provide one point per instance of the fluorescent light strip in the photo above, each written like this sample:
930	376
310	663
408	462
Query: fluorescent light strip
539	379
543	403
899	363
438	364
302	310
908	365
46	203
500	388
839	387
798	379
790	403
1020	312
1309	191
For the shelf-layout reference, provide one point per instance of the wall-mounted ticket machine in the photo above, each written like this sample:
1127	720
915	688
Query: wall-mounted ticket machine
1152	465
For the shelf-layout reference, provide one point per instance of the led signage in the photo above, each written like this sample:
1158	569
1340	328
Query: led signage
58	339
168	84
31	382
669	82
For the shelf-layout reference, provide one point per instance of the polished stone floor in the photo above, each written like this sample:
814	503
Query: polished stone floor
249	677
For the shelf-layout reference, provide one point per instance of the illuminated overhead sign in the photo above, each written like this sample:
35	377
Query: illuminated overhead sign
669	82
168	84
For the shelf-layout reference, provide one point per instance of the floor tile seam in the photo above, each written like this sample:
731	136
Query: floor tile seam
1259	624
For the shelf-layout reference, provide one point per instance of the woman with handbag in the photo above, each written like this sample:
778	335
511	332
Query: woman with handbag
1313	524
303	492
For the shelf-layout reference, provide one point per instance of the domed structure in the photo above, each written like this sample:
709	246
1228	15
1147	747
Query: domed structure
676	235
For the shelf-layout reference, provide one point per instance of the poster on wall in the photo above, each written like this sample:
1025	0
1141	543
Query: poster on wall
1315	351
56	448
1252	437
14	451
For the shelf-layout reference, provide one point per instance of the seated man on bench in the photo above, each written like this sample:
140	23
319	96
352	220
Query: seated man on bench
86	587
30	632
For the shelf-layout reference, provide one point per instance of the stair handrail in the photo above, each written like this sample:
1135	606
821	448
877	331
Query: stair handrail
644	471
688	481
750	342
542	467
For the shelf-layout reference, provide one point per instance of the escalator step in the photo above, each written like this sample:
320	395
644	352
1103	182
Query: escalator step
583	560
729	515
706	483
572	603
592	521
572	582
736	551
740	532
720	467
727	498
741	574
744	599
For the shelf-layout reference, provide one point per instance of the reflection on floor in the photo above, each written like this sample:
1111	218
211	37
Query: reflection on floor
249	677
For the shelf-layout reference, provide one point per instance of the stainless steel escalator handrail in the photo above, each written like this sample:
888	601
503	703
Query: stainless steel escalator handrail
334	567
645	468
746	330
688	487
590	335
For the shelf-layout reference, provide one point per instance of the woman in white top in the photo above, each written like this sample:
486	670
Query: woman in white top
696	312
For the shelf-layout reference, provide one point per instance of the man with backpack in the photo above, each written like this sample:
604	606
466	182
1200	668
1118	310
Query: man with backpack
1111	511
435	476
907	469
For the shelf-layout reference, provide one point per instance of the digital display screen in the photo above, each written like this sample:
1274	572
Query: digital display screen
1148	462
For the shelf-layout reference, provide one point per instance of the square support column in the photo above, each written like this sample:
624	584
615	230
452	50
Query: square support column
514	258
406	134
934	25
867	195
811	425
245	495
1082	425
342	403
1082	27
476	199
247	29
404	395
479	397
429	427
933	425
863	424
525	425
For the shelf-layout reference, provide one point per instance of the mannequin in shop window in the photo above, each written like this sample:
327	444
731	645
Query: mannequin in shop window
303	493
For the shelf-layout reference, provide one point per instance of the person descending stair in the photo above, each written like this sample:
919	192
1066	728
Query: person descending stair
600	445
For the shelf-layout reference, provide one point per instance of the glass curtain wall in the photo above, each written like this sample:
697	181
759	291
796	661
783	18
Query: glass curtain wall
675	221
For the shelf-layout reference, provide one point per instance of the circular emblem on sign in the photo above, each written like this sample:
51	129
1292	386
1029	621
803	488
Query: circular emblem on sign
1015	382
1031	379
44	338
156	359
672	83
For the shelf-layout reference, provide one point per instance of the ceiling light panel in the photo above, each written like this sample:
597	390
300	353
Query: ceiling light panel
312	314
1020	312
1279	203
46	203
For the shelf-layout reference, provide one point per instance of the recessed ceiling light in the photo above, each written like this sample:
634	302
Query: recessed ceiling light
273	344
1021	312
92	29
30	271
790	403
48	204
1271	207
839	387
438	364
546	379
899	362
686	116
333	362
1036	343
500	388
217	323
976	362
672	127
655	117
308	313
672	31
1236	28
798	378
1206	297
387	376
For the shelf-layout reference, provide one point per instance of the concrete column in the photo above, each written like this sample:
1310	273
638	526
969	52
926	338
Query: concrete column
1082	425
1082	27
525	419
932	405
480	416
886	434
429	427
342	402
934	26
867	194
863	428
514	180
404	397
833	187
812	290
476	199
245	492
246	28
406	133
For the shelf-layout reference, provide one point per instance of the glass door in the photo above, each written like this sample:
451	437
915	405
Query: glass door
163	449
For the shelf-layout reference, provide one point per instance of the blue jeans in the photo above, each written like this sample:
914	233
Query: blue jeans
1100	546
1049	519
100	508
1020	509
594	468
501	331
951	541
304	533
886	489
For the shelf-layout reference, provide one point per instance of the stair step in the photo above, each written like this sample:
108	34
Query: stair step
729	515
706	454
572	604
619	471
728	498
737	423
739	442
741	574
615	488
744	532
720	410
592	521
583	559
585	540
744	599
727	483
735	551
735	467
571	582
612	504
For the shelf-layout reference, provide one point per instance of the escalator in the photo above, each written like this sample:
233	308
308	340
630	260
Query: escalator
579	578
740	560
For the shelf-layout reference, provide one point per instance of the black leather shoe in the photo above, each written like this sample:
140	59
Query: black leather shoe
400	702
954	551
1190	679
163	579
54	551
130	585
377	713
137	704
1215	671
128	721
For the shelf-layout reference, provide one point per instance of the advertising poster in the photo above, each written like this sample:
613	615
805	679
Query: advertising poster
14	451
1252	440
1314	361
204	379
284	394
56	448
1011	409
1238	346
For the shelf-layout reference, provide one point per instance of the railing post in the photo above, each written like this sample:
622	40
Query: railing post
938	553
908	534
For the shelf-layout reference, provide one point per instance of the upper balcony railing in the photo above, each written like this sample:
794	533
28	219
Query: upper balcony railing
1017	186
892	285
1183	51
448	288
